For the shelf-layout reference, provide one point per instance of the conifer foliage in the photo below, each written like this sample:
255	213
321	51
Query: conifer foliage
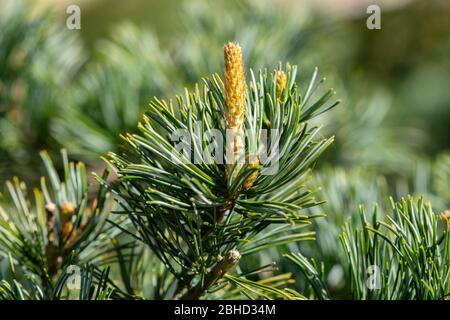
207	186
59	225
198	212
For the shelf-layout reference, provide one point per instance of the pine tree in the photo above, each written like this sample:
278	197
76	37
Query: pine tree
200	217
187	224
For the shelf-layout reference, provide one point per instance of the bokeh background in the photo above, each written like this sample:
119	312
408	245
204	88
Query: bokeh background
79	89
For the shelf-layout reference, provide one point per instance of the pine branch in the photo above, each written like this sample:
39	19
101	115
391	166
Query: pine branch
189	211
42	237
215	274
406	254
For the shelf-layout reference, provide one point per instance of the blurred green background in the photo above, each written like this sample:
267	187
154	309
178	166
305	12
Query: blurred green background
79	89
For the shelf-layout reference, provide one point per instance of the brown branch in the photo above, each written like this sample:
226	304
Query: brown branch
216	273
51	248
220	211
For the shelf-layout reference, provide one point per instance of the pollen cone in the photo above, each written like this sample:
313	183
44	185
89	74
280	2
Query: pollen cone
234	100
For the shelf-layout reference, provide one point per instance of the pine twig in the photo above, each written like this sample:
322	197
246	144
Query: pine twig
216	273
51	249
